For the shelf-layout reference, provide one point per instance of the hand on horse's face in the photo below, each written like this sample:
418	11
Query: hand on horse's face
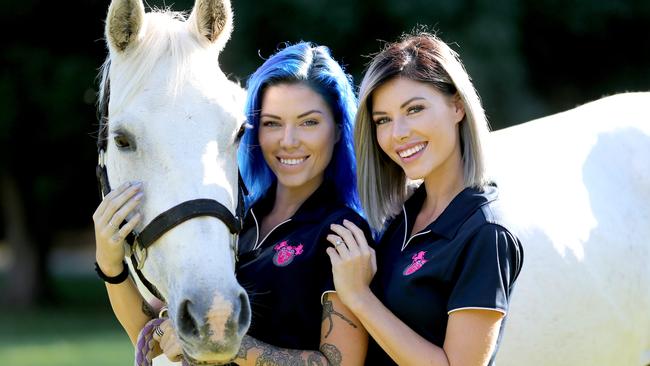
109	237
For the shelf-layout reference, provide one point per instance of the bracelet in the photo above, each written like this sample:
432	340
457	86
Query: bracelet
113	280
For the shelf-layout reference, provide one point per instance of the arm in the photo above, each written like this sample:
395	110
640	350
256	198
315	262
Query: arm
343	342
131	310
471	334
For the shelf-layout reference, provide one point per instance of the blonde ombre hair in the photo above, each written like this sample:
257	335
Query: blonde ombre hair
425	58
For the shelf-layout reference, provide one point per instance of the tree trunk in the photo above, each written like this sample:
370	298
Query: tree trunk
23	287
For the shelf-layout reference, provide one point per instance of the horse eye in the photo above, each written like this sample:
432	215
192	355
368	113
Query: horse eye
122	142
241	131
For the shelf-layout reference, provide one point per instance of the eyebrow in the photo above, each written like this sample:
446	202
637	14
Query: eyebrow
403	104
299	116
270	115
310	112
409	101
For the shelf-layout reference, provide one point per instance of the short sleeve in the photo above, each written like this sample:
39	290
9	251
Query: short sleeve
327	280
487	271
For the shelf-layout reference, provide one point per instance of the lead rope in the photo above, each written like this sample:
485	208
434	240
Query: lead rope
147	348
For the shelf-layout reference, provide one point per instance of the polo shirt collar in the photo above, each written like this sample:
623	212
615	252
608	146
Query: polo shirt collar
457	212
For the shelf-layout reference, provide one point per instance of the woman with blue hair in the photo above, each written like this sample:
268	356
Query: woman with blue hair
297	159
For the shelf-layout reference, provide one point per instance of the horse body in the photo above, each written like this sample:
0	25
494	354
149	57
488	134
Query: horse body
577	188
180	116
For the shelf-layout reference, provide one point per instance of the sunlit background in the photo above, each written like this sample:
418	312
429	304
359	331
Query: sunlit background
528	59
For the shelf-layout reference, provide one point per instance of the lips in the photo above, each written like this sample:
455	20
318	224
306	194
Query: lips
411	150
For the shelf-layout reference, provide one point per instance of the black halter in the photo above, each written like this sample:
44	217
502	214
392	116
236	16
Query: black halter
140	242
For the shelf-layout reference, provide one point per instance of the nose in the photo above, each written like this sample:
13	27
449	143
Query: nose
217	321
289	138
401	129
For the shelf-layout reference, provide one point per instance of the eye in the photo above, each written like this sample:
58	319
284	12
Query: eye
270	123
310	122
123	142
381	120
241	131
414	109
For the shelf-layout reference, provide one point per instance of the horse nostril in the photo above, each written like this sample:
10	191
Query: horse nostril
187	323
244	313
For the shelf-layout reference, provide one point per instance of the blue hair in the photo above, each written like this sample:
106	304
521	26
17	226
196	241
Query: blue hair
314	66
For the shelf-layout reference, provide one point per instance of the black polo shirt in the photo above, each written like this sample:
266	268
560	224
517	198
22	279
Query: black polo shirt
287	272
465	259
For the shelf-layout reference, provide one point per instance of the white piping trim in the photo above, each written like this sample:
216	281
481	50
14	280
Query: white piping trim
418	234
269	233
477	308
323	295
406	227
257	227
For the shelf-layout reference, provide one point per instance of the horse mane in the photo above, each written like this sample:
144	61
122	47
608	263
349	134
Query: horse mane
165	33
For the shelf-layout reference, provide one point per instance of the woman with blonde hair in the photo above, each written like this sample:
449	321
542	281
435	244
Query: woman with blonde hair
446	262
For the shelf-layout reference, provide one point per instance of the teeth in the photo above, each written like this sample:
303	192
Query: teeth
409	152
292	161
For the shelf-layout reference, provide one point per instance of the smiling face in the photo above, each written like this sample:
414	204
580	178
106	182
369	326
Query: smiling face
417	127
297	134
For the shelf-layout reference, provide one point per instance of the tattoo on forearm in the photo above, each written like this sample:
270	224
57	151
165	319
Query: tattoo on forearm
276	357
328	311
148	310
246	344
315	359
332	354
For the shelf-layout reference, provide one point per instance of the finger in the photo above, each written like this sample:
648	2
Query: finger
125	210
359	235
99	212
373	260
339	245
338	242
129	226
346	234
157	334
115	203
334	256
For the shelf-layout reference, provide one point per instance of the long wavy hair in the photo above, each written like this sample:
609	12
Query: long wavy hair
314	66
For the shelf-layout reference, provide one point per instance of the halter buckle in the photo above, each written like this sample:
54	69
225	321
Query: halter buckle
140	255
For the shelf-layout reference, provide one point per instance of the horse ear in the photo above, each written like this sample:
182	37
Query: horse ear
212	20
123	23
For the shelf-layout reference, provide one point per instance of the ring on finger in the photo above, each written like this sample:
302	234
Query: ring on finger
338	242
159	332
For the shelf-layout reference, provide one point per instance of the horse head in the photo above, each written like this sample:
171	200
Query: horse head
173	123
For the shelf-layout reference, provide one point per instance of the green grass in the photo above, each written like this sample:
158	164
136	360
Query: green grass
80	331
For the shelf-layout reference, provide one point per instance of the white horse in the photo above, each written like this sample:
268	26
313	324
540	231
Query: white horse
173	124
577	187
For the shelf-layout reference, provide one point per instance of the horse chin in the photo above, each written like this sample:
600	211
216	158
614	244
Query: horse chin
211	359
211	354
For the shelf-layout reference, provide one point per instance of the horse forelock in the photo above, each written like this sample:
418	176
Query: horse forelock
165	35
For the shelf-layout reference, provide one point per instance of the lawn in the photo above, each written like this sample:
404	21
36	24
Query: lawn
79	331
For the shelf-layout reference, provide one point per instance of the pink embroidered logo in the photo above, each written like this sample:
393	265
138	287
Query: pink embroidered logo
284	253
418	262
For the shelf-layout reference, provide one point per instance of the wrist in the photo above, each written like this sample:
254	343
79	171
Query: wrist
358	302
113	276
112	269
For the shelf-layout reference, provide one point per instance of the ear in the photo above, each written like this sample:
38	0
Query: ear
123	23
212	20
459	107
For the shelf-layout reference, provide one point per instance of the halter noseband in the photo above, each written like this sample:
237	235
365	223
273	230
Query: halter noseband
138	243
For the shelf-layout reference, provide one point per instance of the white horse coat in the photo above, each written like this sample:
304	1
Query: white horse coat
576	185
